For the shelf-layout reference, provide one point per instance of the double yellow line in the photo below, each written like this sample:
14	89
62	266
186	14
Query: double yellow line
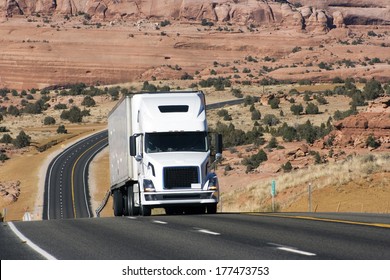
73	168
322	220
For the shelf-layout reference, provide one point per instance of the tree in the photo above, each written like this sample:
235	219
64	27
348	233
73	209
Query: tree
49	120
256	115
373	89
372	142
270	120
6	139
296	109
74	115
88	101
22	140
3	157
61	129
274	102
312	109
273	143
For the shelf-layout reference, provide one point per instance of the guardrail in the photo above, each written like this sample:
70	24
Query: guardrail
102	204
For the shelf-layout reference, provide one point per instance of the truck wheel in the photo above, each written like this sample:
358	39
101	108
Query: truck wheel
118	203
146	211
131	209
212	208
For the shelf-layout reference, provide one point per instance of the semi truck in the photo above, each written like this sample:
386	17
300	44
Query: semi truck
160	154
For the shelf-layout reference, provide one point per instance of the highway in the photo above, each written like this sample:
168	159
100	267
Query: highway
262	236
66	185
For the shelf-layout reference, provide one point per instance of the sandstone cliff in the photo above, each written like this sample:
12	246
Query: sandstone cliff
313	16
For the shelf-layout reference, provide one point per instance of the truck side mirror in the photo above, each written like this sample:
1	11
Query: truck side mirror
218	144
133	146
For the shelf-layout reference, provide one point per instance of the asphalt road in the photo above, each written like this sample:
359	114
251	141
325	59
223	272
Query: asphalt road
221	236
66	186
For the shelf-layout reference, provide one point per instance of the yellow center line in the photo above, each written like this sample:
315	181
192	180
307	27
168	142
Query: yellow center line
322	220
73	168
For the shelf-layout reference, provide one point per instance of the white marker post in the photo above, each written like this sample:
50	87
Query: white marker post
273	193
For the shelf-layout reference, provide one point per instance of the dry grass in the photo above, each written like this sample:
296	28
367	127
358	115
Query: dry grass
291	186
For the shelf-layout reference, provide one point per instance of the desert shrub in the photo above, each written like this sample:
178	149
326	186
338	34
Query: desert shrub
337	80
60	106
274	103
149	87
165	23
237	92
222	113
14	111
22	140
372	142
270	120
186	76
372	90
256	115
4	129
6	139
255	160
3	157
62	129
312	109
1	118
321	100
273	143
74	115
88	101
250	100
339	115
287	167
49	120
36	108
296	109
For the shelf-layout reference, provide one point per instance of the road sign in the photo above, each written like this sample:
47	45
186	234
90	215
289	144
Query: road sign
273	188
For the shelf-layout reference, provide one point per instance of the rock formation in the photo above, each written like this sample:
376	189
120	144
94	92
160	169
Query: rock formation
318	16
354	130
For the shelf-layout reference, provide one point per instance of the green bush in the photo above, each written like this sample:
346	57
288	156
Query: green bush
22	140
287	167
74	115
270	120
372	142
49	120
88	101
312	109
3	157
256	115
61	129
274	103
296	109
255	160
6	139
60	106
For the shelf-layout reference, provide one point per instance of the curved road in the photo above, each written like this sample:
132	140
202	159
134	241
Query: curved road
66	185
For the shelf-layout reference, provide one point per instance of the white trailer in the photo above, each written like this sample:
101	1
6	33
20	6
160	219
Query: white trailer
160	154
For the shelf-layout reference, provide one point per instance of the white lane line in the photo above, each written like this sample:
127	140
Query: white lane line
296	251
132	218
33	246
206	231
159	222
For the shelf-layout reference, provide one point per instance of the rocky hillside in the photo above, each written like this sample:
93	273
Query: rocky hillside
301	14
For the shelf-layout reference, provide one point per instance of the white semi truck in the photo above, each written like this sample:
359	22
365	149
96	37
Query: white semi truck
159	152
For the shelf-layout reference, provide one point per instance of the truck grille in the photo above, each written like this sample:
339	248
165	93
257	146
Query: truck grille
180	177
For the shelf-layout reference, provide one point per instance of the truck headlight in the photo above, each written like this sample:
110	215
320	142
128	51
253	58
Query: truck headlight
213	182
148	186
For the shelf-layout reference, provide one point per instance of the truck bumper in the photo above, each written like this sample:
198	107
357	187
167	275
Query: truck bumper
179	198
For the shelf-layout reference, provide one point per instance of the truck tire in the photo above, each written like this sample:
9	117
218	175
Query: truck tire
131	210
212	208
118	203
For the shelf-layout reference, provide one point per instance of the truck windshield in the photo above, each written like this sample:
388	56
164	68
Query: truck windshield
176	142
